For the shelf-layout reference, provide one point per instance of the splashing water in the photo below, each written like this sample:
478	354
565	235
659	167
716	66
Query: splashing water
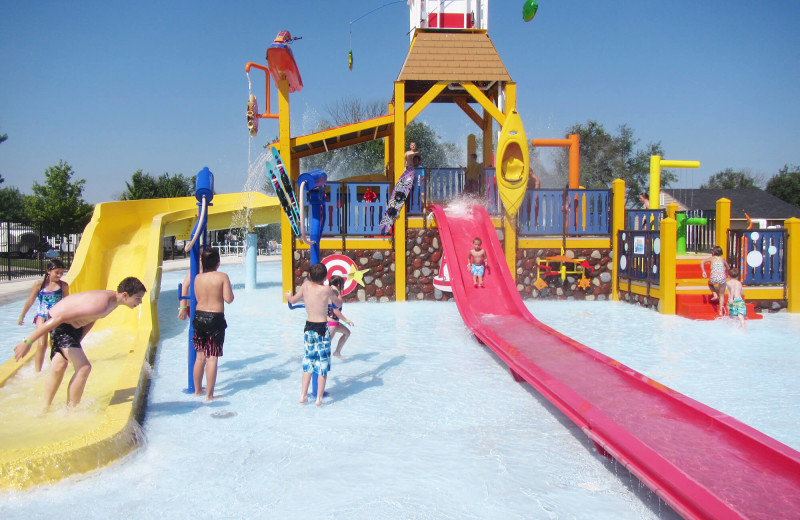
461	205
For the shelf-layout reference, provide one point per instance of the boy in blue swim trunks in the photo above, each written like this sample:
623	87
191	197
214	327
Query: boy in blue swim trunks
316	337
737	308
477	262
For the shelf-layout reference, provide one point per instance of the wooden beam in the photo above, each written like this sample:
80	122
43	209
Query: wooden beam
414	110
461	102
484	101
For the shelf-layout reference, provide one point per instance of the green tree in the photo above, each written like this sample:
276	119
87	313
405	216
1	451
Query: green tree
786	185
434	152
358	159
58	203
605	157
169	186
368	157
12	204
141	186
145	186
731	179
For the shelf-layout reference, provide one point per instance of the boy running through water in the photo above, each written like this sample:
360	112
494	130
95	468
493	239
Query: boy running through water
316	337
70	320
737	308
477	262
212	289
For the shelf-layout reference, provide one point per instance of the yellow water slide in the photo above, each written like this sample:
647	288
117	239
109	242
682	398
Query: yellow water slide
123	239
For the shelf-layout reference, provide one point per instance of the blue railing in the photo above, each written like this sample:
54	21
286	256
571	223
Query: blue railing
760	255
644	219
363	217
333	210
588	212
440	185
416	199
639	257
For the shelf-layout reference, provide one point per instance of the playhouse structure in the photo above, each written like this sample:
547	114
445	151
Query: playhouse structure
557	243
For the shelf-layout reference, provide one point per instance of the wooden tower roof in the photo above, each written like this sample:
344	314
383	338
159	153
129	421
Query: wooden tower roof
454	56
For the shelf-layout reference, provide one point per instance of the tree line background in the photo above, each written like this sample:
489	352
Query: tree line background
57	203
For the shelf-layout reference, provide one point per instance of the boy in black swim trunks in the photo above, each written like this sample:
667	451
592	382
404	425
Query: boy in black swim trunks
70	320
212	290
317	359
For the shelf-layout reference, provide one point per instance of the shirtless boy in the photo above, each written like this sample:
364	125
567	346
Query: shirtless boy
70	320
477	262
412	154
212	289
317	359
736	304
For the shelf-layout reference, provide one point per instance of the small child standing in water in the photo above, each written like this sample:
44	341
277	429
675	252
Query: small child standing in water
737	308
49	292
718	277
335	317
477	262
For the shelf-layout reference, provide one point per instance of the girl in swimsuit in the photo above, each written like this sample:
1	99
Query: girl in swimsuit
334	317
48	292
718	276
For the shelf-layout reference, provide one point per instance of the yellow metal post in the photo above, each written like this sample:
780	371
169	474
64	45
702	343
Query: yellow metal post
667	274
399	167
723	223
284	134
656	163
510	221
617	224
793	265
672	210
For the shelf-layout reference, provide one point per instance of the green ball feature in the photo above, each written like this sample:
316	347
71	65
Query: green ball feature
529	10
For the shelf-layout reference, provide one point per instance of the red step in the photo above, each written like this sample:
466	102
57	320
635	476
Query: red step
700	307
683	270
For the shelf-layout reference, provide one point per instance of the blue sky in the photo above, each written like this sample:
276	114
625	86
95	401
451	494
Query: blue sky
112	87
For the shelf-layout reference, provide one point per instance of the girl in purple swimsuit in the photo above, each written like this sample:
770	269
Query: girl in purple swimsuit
48	292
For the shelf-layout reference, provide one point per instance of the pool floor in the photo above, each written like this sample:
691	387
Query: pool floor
421	422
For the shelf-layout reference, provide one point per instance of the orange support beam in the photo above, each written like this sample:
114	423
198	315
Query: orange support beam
573	143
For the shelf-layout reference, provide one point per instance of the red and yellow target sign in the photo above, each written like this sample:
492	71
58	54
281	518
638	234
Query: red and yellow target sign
341	265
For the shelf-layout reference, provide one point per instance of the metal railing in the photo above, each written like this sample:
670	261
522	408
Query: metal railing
25	250
588	212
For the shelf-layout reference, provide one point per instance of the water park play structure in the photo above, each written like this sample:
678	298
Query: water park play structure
700	461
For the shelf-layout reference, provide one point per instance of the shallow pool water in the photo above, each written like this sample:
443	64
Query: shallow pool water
421	422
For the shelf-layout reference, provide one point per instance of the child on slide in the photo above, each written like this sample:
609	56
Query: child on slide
48	293
477	262
335	317
718	276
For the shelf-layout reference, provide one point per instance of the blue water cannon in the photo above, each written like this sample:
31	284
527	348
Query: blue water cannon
313	183
204	185
204	193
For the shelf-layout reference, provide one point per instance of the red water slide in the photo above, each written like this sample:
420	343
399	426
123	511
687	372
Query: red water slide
705	464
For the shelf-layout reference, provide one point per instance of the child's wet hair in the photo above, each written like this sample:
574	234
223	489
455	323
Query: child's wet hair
478	239
210	259
733	272
55	263
716	251
337	281
317	273
131	285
